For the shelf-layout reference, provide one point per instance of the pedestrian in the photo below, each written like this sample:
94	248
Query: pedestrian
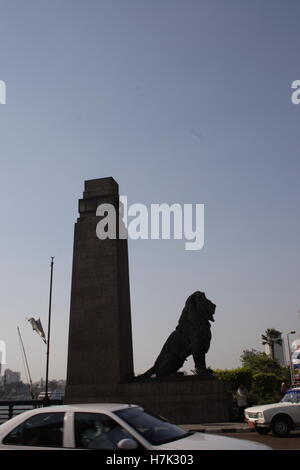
283	389
242	401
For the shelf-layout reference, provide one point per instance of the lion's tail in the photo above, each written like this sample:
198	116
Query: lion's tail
147	374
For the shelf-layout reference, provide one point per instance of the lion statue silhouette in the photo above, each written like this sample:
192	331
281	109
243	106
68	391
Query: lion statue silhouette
192	336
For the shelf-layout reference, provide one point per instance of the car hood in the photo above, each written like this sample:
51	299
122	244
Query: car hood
258	408
201	441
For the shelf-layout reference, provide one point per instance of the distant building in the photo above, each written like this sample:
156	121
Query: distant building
295	357
279	353
11	377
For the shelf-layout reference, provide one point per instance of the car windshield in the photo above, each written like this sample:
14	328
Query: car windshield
156	430
293	396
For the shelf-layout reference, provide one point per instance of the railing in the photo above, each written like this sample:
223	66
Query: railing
11	408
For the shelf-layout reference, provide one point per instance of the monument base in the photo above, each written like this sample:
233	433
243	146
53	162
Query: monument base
183	400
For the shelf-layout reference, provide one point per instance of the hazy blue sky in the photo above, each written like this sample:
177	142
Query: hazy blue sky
182	101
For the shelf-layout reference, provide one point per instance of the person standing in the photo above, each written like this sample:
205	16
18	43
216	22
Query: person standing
242	401
283	389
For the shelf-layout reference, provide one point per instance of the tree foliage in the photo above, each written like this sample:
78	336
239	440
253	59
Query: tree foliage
235	377
260	374
258	361
266	386
271	337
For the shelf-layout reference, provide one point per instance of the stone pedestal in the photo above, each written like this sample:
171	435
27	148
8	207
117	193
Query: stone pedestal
183	401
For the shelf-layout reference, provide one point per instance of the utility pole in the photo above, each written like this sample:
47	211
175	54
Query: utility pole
49	326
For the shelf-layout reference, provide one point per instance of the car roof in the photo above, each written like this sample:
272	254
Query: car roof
93	407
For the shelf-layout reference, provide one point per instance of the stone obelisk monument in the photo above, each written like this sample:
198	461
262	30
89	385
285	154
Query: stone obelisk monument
100	339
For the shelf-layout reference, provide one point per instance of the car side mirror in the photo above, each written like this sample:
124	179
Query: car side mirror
127	444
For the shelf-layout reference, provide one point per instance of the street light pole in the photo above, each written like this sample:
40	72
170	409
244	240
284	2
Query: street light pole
290	360
49	325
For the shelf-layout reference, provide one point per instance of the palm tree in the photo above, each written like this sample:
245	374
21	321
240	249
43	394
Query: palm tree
271	337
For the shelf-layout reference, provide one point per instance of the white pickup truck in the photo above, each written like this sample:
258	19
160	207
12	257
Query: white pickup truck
280	418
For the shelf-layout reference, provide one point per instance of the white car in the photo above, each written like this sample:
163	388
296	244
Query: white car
106	426
280	417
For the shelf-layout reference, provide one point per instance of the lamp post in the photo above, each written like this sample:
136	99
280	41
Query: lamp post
49	325
290	360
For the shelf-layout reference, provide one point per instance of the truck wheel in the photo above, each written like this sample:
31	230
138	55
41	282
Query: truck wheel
281	427
262	431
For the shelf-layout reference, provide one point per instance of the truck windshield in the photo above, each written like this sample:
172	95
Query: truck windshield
156	430
292	396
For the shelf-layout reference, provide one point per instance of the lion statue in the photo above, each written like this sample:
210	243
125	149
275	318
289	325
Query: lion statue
191	336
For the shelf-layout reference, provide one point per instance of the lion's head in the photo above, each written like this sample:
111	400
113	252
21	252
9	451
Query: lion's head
200	304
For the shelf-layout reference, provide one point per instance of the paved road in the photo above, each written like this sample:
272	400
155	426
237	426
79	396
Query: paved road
290	442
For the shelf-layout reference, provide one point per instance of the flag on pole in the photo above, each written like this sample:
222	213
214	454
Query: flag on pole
37	326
